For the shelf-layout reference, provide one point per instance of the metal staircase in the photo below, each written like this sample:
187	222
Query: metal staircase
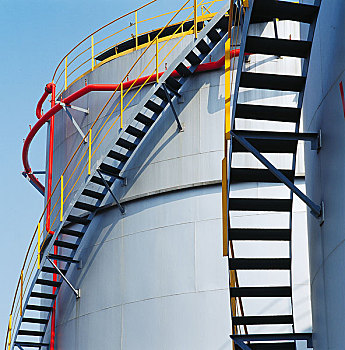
257	143
62	246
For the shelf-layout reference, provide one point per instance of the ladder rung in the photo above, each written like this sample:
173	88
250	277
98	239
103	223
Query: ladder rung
69	232
259	264
259	234
34	320
259	292
64	244
93	194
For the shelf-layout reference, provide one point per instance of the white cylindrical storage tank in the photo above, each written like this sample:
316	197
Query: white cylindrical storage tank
325	172
153	278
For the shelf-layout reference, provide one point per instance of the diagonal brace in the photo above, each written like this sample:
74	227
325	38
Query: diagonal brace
172	107
75	291
80	109
74	122
316	210
122	209
241	344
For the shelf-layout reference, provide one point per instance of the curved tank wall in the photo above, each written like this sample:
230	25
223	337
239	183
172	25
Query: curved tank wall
325	174
155	277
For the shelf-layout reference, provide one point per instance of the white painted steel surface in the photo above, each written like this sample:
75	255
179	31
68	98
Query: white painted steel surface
325	173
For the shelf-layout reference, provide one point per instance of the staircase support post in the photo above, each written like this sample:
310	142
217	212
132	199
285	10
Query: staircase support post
173	108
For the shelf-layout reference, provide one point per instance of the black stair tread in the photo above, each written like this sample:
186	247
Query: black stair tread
126	144
273	113
183	70
30	333
278	47
266	10
93	194
260	204
240	175
259	263
135	132
62	258
49	269
85	206
161	94
272	81
260	292
223	23
78	219
30	344
203	47
154	107
259	320
34	320
267	145
66	245
117	156
271	346
97	180
48	282
214	35
143	119
70	232
259	234
38	308
193	59
173	83
42	295
109	169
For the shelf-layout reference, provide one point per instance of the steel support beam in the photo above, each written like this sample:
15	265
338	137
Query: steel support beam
313	137
172	107
65	108
75	291
80	109
240	339
32	183
316	210
122	209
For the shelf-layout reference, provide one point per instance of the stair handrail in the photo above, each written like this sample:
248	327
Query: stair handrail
26	272
63	66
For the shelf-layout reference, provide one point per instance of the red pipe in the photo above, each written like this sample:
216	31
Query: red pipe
96	87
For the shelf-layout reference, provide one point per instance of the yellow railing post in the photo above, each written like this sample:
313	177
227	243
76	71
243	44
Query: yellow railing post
21	293
157	77
9	332
61	199
227	87
92	54
66	73
121	106
195	19
225	206
136	30
38	245
89	165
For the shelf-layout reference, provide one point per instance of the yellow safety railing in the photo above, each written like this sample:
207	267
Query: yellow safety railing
73	173
77	59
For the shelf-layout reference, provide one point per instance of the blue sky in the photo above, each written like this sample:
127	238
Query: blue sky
34	36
